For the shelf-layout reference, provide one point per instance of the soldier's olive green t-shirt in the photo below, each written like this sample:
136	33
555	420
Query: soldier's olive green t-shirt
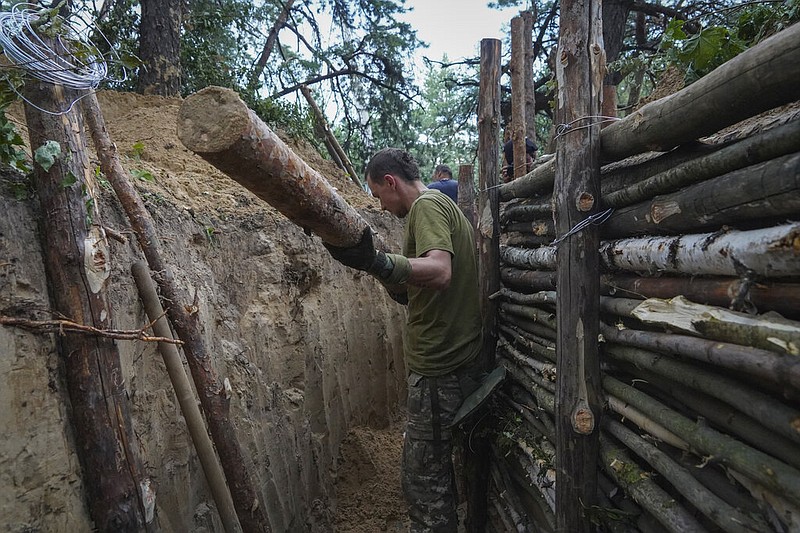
444	327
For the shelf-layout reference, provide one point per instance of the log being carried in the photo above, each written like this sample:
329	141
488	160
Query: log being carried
217	125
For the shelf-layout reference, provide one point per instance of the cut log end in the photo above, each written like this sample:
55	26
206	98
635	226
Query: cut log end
212	119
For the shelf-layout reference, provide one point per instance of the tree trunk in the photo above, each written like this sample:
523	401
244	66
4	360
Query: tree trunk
771	413
775	142
272	38
219	127
330	138
727	517
488	254
537	181
579	72
249	507
734	293
466	193
767	252
758	79
543	258
765	192
160	48
529	280
518	88
530	91
758	466
77	262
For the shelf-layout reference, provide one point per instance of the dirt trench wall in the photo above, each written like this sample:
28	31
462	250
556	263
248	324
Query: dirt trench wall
310	349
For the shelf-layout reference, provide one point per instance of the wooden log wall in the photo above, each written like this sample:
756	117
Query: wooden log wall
699	323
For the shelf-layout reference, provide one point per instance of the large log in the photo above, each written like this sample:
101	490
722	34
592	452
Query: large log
733	292
250	509
758	466
768	252
765	192
775	142
488	237
580	68
771	413
722	514
759	79
217	125
77	262
518	84
531	280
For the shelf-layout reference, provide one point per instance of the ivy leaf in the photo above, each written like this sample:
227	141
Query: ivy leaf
702	48
47	154
144	175
69	179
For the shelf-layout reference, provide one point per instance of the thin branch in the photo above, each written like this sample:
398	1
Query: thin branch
68	326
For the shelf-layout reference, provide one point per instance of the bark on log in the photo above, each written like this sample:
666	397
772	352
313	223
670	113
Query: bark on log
547	318
528	279
218	126
768	252
466	193
646	424
518	84
782	369
528	325
527	212
543	258
727	419
547	370
488	237
540	227
774	415
579	72
77	263
530	90
722	514
770	333
544	349
673	516
249	507
725	96
527	240
538	181
763	193
773	143
773	474
190	410
734	293
788	514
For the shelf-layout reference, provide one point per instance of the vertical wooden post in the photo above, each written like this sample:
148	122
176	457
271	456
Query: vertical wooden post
518	117
76	258
579	72
466	192
488	254
530	93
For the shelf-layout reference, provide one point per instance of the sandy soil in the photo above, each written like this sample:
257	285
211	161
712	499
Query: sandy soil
312	350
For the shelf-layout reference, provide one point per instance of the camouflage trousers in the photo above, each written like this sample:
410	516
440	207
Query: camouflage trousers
429	482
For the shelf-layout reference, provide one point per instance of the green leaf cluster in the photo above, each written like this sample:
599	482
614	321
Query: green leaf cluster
11	152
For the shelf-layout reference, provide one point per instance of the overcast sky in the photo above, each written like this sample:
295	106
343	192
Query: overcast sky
456	27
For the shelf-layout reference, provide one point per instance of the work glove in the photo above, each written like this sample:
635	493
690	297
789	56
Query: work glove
390	269
362	256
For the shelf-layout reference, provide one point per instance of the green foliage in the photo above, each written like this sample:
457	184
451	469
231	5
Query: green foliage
700	53
137	150
143	175
47	154
69	180
289	117
10	143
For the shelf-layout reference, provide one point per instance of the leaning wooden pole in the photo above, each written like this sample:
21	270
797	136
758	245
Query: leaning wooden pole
76	259
195	423
217	125
249	506
579	72
488	250
330	137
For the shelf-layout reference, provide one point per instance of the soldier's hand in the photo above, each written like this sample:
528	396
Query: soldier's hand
361	256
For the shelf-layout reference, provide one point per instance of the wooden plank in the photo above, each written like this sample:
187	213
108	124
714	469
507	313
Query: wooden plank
580	67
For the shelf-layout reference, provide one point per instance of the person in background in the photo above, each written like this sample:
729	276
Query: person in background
508	151
442	337
442	180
